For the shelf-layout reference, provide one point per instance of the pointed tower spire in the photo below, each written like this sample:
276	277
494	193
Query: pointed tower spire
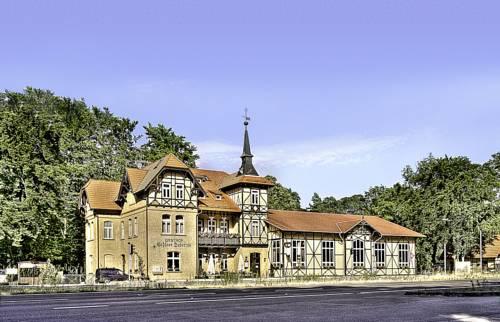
247	167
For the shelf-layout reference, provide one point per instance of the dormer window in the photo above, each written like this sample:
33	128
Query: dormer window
166	191
218	197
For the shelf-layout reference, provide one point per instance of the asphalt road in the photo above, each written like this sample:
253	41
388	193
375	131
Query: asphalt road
382	302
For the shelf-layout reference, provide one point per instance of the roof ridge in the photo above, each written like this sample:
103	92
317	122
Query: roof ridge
103	180
324	213
211	170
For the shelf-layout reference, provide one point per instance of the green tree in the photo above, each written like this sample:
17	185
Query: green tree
49	147
446	199
162	140
355	204
282	198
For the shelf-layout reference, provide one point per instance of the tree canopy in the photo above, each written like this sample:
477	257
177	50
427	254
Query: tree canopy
355	204
162	140
448	199
49	147
282	198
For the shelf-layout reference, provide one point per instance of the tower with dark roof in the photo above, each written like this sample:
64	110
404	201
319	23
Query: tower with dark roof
247	167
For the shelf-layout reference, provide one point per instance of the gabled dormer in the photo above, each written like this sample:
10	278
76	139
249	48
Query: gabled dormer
167	182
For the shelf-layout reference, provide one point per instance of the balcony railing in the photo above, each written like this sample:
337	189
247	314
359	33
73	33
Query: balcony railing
217	239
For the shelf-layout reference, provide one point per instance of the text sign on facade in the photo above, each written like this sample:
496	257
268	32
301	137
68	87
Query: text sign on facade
172	242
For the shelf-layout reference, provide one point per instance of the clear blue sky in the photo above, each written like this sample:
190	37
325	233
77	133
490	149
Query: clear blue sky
342	94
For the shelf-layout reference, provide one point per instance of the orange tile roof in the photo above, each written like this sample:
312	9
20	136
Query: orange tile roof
492	249
135	177
153	169
102	194
210	183
303	221
232	180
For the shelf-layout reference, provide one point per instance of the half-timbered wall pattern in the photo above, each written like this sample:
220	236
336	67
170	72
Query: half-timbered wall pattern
344	246
173	189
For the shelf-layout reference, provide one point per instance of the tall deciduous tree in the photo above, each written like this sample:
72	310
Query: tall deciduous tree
162	140
49	147
282	198
355	204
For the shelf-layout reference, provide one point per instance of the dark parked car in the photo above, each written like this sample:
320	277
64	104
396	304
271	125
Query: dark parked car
106	275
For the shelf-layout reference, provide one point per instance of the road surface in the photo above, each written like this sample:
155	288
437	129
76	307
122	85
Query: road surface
381	302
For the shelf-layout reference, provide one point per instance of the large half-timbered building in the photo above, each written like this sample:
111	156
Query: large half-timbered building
169	221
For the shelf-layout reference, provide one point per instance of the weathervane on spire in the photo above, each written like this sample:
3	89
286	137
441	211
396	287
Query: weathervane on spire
246	117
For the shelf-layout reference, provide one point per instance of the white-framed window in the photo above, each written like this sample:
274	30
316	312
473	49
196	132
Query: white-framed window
179	224
404	250
165	224
179	191
224	228
201	225
255	228
298	253
122	230
328	253
380	254
223	263
211	225
358	253
136	227
166	190
276	253
90	232
173	262
130	228
108	230
254	197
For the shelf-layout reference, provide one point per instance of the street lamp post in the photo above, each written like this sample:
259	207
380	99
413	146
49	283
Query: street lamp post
480	249
444	253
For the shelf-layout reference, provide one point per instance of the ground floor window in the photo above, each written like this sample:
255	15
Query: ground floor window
380	254
223	263
298	253
358	253
276	253
404	250
328	253
173	262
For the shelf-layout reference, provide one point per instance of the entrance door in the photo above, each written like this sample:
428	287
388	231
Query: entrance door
255	264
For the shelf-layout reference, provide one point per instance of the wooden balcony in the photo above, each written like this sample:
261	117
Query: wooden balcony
218	240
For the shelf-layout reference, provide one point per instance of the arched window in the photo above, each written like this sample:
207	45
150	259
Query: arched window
179	224
122	230
165	224
358	252
108	260
108	230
